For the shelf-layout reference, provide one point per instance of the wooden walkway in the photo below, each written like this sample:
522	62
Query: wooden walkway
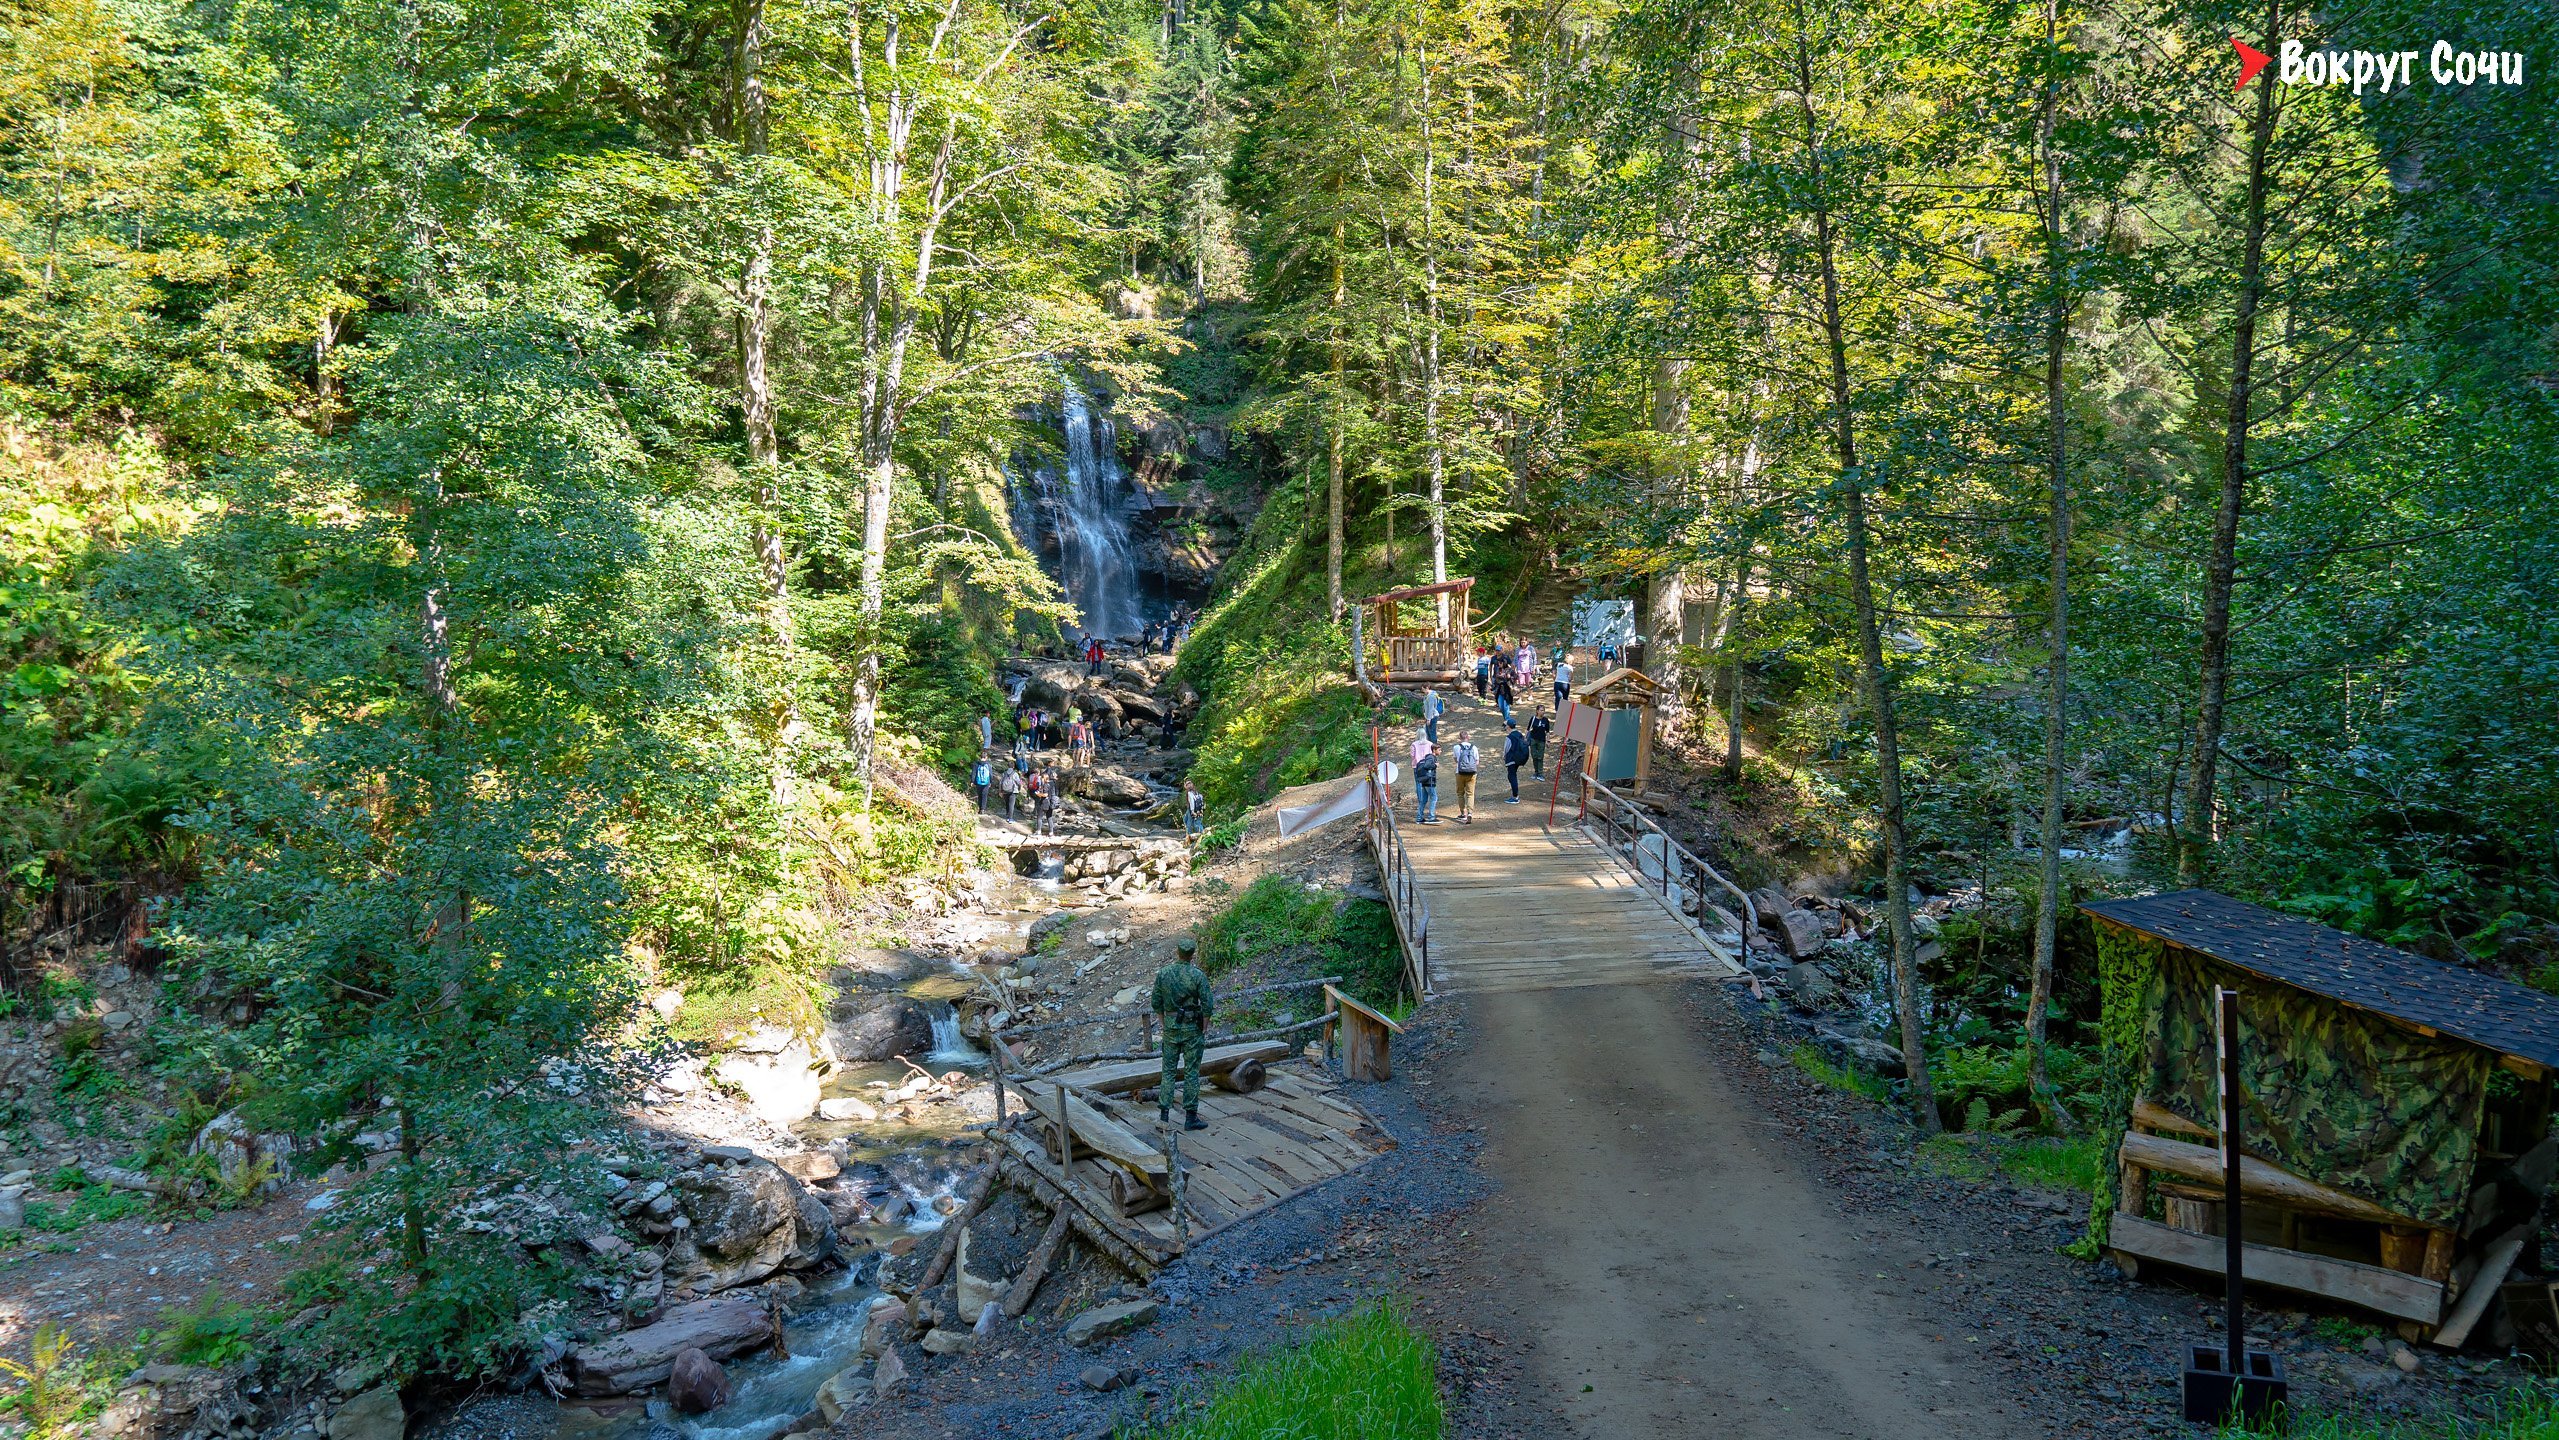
1293	1134
1516	906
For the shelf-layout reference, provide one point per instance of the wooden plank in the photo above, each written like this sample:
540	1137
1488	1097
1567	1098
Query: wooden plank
2257	1178
1130	1076
1094	1129
2402	1297
2483	1286
1347	1003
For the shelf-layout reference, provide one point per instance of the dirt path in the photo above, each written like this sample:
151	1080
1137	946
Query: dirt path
1679	1275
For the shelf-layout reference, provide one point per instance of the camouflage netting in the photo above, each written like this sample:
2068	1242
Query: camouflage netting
2348	1099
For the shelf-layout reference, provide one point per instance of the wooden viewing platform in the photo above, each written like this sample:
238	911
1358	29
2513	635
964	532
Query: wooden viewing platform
1289	1135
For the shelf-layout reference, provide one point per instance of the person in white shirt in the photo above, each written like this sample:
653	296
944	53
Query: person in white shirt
1563	682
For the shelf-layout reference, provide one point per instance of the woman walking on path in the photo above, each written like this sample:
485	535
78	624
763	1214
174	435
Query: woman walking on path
1525	662
1432	705
983	776
1483	672
1194	811
1503	694
1537	729
1425	786
1008	783
1563	682
1467	762
1044	802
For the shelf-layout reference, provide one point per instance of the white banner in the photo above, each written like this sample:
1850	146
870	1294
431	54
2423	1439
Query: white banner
1352	801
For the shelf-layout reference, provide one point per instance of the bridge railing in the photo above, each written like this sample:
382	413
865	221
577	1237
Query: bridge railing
1625	823
1405	898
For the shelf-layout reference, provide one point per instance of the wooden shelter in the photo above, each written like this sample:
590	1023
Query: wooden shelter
1630	704
1406	656
2397	1145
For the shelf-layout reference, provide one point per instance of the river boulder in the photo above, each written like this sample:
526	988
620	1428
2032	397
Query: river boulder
878	1027
778	1070
748	1219
643	1358
1051	685
695	1384
1106	786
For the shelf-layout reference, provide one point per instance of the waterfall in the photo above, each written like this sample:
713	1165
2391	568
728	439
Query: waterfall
950	1047
1094	561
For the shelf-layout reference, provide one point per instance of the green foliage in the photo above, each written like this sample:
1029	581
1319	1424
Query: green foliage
60	1389
1984	1087
1852	1079
84	1204
215	1331
2529	1411
1365	1376
1318	931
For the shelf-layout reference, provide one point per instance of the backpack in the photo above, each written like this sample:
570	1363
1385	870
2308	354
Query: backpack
1427	771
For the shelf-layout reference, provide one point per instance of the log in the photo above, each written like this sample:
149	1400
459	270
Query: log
2257	1178
1135	1075
1036	1173
2483	1286
1244	1077
950	1246
1094	1130
1018	1299
2149	1112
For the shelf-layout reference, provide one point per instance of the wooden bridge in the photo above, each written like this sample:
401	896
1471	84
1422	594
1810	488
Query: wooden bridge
1512	903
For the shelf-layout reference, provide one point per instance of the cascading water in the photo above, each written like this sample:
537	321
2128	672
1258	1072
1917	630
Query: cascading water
950	1047
1095	563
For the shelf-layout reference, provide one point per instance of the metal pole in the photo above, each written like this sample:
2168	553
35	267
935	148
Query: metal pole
2233	1246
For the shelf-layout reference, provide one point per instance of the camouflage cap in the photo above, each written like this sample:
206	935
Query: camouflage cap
1185	946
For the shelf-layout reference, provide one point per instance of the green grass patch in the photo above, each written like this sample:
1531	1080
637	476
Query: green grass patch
1809	1059
82	1204
1366	1376
2035	1162
2045	1163
1276	915
2528	1412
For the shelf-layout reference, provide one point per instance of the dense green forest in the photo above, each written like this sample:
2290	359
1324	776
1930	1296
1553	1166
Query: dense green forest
504	503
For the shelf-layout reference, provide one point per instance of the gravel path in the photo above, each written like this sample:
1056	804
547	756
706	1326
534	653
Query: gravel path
1681	1274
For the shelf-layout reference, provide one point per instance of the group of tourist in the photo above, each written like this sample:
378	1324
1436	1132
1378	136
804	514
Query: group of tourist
1158	638
1519	747
1162	635
1504	671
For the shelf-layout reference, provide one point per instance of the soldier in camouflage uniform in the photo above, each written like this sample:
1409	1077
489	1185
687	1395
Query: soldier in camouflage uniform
1183	1001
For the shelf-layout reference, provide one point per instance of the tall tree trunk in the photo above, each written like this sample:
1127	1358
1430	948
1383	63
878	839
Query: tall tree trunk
1437	450
2056	716
1333	445
2221	568
1734	614
755	399
1665	594
1870	643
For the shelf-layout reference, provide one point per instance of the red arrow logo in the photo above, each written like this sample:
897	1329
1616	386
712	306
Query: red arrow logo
2251	60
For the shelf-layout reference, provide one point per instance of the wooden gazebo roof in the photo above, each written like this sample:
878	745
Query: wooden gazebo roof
1416	592
2487	1012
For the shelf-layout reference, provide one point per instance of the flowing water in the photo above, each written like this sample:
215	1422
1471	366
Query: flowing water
1087	512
